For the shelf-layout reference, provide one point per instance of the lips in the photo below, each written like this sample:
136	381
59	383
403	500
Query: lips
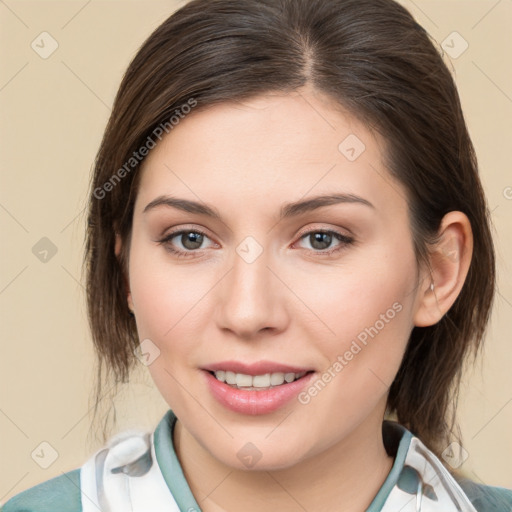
257	388
258	368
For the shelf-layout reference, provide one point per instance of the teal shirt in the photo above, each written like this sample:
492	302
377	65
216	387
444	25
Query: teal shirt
62	494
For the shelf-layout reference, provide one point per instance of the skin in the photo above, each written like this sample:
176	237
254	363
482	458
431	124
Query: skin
294	304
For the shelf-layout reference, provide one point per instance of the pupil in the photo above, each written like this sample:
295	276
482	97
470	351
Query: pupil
324	240
192	240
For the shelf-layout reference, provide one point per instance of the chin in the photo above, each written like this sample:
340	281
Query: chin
259	456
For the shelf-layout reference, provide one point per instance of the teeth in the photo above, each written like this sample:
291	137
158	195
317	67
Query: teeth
230	377
267	380
243	381
276	379
261	381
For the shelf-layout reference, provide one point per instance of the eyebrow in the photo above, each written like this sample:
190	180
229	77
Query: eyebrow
287	210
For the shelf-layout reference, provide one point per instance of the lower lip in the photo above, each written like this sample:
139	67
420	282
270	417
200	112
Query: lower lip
255	402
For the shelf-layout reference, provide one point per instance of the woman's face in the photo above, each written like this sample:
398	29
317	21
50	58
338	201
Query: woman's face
271	244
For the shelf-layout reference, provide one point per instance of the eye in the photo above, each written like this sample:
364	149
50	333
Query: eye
187	241
321	240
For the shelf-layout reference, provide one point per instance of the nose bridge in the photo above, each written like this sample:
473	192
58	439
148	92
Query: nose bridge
250	298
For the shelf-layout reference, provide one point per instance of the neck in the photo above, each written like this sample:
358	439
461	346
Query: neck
347	476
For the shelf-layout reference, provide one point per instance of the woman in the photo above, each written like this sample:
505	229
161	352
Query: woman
287	227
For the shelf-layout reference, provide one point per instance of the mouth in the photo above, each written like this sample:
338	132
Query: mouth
262	382
257	388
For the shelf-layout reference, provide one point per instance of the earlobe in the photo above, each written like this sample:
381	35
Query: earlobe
130	303
118	245
117	250
449	263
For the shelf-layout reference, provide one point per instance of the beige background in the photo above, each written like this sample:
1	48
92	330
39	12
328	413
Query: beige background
53	114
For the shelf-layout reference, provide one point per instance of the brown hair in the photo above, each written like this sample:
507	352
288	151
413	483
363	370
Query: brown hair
374	60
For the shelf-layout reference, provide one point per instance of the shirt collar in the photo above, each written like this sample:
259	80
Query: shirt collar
170	465
396	438
397	441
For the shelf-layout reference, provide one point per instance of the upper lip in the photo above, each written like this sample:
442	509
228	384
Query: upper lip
257	368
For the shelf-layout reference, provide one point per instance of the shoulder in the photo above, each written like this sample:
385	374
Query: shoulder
60	494
484	498
487	498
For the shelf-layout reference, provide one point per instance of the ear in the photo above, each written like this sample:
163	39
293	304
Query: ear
449	260
117	250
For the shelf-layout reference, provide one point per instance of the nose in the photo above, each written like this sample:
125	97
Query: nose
252	298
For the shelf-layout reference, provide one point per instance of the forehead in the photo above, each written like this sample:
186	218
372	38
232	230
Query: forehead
269	148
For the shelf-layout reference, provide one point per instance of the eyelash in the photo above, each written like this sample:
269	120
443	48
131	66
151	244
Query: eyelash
344	239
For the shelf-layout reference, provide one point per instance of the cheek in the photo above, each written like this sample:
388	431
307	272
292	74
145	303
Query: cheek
165	296
167	300
371	318
368	310
360	296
